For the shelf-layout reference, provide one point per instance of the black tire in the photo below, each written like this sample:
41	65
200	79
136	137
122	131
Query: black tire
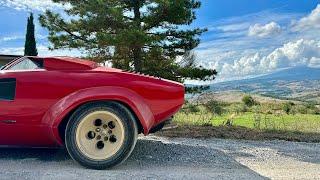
130	132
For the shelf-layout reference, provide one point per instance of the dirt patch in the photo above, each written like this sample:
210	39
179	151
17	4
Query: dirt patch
237	132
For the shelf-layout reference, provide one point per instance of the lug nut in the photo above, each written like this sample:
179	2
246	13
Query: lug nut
106	138
98	137
98	129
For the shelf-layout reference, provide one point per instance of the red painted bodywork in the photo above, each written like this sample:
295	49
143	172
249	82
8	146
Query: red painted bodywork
44	97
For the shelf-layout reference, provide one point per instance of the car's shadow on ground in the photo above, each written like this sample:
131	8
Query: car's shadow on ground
149	156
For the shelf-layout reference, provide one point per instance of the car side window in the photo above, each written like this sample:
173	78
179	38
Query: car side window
26	64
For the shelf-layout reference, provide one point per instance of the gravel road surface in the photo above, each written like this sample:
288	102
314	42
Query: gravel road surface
162	158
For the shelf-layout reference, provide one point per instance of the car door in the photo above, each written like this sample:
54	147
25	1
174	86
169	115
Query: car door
19	116
7	104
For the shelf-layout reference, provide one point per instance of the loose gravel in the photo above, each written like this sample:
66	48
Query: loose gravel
175	158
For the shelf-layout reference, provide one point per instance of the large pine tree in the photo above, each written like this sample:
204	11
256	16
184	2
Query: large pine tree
143	35
30	47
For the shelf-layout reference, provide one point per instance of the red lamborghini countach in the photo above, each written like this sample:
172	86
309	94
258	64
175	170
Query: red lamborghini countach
95	112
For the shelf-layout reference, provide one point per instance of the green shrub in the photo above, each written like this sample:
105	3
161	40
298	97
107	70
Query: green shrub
311	105
317	110
238	108
194	109
312	108
301	109
287	107
248	100
191	108
214	107
256	109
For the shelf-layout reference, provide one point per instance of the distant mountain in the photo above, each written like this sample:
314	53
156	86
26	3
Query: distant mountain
292	74
300	83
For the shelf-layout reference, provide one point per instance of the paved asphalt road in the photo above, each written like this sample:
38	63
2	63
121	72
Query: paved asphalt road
161	158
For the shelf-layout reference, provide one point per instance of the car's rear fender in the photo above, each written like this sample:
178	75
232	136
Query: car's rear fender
58	111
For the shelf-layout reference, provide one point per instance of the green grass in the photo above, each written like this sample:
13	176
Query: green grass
261	121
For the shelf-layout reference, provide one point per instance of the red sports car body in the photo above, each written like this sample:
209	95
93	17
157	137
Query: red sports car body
39	95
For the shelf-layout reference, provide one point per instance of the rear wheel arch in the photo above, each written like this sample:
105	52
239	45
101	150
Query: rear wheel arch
63	124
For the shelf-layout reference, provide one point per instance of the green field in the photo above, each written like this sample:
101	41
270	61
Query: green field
303	118
297	122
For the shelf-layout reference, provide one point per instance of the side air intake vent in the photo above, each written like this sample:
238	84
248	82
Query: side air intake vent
7	89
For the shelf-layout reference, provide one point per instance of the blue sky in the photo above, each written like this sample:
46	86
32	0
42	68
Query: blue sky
245	38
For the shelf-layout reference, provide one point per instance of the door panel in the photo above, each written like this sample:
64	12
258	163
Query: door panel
22	108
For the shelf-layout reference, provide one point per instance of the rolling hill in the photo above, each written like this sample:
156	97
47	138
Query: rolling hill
298	83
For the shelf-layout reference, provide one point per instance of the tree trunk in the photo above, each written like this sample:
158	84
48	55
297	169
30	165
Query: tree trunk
137	48
137	59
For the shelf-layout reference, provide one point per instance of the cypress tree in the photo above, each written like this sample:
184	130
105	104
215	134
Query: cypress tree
30	47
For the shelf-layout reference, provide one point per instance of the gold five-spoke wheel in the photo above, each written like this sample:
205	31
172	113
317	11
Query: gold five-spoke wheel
100	135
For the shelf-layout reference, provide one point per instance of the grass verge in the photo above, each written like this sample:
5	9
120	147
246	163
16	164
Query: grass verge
238	132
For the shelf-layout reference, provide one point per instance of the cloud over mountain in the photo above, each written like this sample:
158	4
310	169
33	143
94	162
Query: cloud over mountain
298	53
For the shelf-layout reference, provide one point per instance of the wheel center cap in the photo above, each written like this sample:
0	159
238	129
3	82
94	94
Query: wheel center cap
104	132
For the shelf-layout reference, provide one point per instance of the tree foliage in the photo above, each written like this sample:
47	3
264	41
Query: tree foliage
197	89
141	35
30	47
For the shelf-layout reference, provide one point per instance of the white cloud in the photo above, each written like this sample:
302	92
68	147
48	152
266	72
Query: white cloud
231	27
43	51
20	38
40	5
12	50
314	62
297	53
266	30
312	21
237	27
10	38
